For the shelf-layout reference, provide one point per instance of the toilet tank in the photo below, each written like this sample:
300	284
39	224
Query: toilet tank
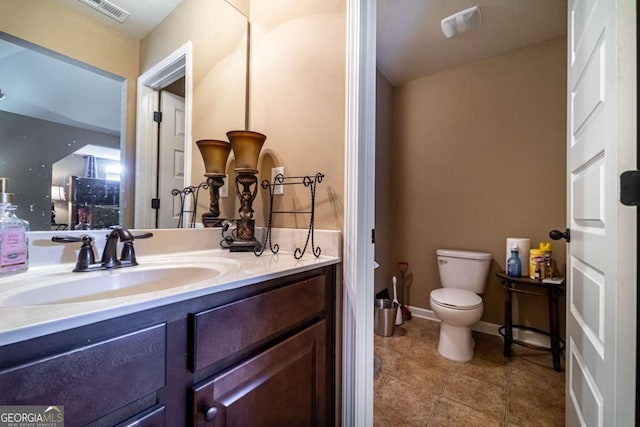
463	269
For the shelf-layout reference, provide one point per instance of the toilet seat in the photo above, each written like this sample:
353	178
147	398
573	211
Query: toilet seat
457	299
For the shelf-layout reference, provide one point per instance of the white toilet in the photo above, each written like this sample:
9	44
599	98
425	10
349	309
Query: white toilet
463	275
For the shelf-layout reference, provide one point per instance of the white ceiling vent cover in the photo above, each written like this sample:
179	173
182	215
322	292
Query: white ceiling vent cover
461	22
108	8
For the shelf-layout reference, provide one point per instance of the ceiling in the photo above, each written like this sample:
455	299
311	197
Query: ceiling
144	14
45	86
41	84
410	43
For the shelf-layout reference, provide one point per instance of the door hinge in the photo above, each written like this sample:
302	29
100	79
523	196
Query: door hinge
155	203
630	188
157	116
373	236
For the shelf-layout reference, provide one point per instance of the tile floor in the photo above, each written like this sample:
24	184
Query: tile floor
415	386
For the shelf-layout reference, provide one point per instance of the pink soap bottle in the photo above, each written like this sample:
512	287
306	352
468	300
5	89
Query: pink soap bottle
14	246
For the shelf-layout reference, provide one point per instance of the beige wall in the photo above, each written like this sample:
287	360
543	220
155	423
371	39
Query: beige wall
478	156
296	94
46	23
297	99
385	214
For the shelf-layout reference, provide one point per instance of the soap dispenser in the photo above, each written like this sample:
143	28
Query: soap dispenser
514	267
14	254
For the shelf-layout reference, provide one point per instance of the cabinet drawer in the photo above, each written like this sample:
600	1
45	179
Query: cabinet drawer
283	386
223	331
153	417
94	380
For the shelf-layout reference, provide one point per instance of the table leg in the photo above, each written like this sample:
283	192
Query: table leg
554	329
508	321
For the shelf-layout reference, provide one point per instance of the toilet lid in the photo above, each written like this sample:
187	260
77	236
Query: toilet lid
459	299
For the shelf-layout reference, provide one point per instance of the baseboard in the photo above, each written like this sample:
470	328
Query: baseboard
486	328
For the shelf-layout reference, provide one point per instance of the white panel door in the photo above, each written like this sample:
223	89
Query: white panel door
600	386
171	161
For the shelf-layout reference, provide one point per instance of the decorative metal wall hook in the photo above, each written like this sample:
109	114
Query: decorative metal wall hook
309	181
193	192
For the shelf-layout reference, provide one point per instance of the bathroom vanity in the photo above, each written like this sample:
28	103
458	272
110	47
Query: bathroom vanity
256	348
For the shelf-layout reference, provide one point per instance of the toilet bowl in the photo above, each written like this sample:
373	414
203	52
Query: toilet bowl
457	304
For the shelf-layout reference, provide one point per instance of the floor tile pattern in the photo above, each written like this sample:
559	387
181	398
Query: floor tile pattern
415	386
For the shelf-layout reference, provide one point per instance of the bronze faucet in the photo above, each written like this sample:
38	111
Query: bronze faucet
86	257
109	255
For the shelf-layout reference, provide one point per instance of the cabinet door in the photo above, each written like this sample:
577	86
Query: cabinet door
283	386
92	381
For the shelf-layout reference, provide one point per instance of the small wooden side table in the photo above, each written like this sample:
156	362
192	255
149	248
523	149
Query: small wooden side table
525	285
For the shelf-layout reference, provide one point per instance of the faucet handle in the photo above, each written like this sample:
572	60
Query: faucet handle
128	255
142	236
86	257
68	239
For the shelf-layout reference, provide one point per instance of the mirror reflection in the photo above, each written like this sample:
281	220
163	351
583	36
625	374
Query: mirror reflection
67	128
59	121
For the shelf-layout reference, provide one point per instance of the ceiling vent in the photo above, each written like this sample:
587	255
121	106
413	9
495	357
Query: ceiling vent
108	8
461	22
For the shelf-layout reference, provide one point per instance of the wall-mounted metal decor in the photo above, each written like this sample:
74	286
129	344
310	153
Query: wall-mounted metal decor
308	181
193	192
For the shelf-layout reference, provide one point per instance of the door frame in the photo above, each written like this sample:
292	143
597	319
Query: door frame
357	399
178	64
359	212
637	376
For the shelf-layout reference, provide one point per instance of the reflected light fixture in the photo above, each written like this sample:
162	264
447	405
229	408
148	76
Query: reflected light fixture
214	154
113	171
461	22
57	193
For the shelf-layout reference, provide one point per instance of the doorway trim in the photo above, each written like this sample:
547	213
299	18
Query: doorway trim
178	64
359	214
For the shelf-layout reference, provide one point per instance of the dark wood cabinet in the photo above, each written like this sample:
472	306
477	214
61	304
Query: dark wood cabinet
153	417
283	386
133	364
260	355
251	322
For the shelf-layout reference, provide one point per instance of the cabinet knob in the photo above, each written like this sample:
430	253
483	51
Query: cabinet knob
210	413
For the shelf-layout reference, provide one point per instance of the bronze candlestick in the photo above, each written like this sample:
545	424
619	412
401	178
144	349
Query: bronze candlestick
215	154
246	146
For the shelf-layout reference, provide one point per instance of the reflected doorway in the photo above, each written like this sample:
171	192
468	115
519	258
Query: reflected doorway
153	86
171	142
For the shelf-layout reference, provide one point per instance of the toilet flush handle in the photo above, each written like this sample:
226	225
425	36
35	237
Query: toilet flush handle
442	261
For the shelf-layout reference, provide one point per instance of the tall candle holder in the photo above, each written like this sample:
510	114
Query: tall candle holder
214	154
246	146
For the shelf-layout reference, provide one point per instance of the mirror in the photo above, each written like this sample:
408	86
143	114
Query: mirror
41	159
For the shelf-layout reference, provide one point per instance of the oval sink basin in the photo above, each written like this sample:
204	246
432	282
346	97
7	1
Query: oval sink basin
83	287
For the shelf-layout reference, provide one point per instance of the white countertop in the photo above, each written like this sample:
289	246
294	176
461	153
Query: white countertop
22	322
